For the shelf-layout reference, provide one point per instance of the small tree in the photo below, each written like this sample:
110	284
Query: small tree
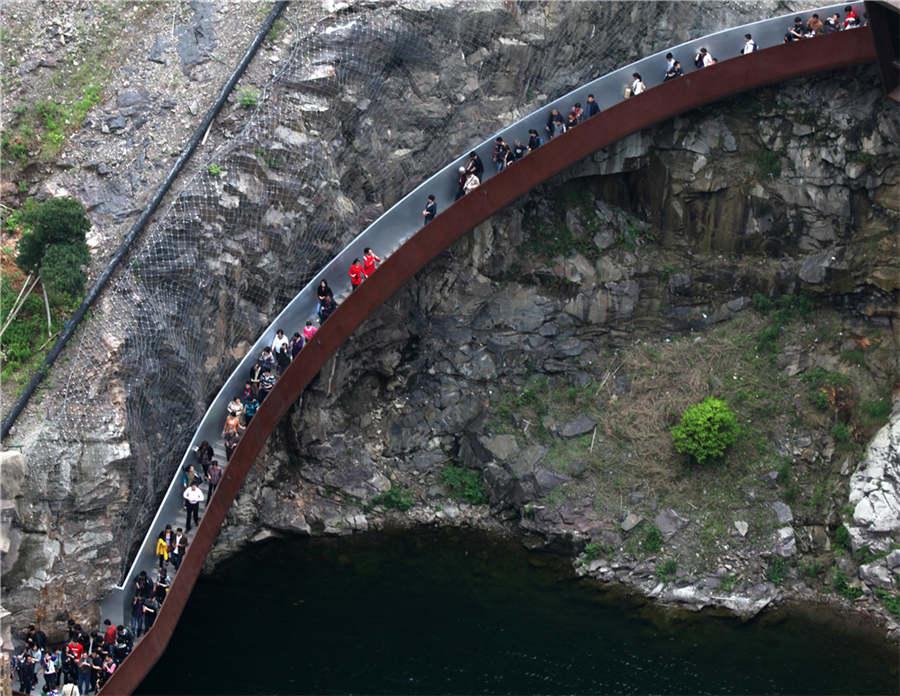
56	221
706	430
62	272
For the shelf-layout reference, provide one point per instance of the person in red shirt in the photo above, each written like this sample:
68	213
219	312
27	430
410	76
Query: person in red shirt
75	649
851	19
109	636
356	273
370	261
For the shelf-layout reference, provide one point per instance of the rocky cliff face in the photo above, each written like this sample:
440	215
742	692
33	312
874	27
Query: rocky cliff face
675	229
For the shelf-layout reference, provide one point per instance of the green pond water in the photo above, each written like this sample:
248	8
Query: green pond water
447	612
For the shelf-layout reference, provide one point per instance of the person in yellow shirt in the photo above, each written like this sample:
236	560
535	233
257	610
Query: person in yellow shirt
162	552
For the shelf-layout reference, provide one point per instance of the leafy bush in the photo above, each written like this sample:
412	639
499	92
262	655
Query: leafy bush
666	570
214	170
397	498
248	98
653	540
840	585
854	356
464	484
841	432
706	430
842	538
55	221
876	410
776	570
890	600
762	303
62	273
592	551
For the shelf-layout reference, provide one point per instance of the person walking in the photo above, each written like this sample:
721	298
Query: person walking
571	121
370	261
137	614
430	211
637	85
162	552
518	151
309	331
749	45
48	663
328	307
472	183
85	674
322	292
215	475
232	439
296	347
795	31
357	275
70	689
475	165
176	553
556	125
193	496
250	409
534	140
501	152
593	108
461	175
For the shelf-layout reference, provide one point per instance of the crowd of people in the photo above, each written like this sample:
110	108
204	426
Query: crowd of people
81	666
88	659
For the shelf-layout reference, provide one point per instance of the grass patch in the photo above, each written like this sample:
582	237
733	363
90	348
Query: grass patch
842	587
653	540
889	600
728	582
464	484
397	498
842	538
776	571
666	570
248	98
875	411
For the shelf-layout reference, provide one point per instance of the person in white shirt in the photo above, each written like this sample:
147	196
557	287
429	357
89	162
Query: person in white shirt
749	45
280	342
637	86
193	496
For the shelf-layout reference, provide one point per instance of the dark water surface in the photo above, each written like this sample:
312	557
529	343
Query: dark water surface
447	612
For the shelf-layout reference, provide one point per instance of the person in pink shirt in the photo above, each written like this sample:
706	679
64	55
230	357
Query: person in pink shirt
309	331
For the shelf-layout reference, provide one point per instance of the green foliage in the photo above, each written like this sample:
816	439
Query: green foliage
248	98
396	498
57	221
854	357
634	236
842	587
593	551
63	275
876	411
214	169
666	570
819	377
706	430
783	309
820	400
727	583
812	569
23	336
890	600
652	541
464	484
776	570
842	538
768	164
841	432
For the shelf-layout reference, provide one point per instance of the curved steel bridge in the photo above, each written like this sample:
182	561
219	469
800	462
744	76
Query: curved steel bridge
408	247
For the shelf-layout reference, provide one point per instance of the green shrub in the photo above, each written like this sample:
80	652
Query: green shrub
464	484
665	571
841	432
653	540
55	221
62	273
397	498
842	538
768	164
592	551
248	98
762	303
812	569
854	357
890	600
840	585
706	430
877	410
776	570
767	339
728	582
214	170
820	400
